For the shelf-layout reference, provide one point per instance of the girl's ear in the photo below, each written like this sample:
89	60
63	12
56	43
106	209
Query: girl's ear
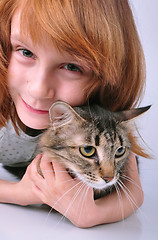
130	114
61	113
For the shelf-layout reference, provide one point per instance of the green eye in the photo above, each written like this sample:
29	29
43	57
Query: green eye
87	151
26	53
120	152
72	67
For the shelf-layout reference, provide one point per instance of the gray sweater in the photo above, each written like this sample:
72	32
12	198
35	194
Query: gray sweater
16	150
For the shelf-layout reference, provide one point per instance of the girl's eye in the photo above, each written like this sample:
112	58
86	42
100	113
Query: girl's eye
72	67
88	151
26	53
120	152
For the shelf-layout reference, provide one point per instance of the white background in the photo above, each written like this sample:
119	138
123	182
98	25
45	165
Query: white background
30	223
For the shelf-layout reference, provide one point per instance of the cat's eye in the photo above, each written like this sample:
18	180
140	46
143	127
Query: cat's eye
120	152
87	151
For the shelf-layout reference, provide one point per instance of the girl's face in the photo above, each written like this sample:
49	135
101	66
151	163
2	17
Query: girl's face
40	75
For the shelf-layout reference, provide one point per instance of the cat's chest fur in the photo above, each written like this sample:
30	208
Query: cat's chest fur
93	144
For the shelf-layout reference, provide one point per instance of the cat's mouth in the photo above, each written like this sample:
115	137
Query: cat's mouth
100	184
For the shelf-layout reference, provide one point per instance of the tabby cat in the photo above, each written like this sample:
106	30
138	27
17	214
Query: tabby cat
92	143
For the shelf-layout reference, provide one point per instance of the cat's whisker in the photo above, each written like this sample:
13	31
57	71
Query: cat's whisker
66	193
72	201
131	181
70	180
46	219
62	171
83	198
59	199
86	195
74	198
120	200
131	198
61	157
129	195
51	171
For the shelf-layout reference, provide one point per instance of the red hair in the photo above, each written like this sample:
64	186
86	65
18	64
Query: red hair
102	34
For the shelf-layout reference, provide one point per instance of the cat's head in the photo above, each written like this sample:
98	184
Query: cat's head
90	141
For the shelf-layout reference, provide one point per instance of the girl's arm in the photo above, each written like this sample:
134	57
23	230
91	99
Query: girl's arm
75	201
7	193
20	193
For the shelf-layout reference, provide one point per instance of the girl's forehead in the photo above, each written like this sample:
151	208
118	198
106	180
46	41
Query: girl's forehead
15	28
20	30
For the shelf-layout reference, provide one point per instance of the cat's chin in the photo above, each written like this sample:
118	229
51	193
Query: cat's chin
99	193
105	189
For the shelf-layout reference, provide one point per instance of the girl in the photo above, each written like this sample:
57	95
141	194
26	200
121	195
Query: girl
75	51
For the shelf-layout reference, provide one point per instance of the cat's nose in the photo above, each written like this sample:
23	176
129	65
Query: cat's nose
107	179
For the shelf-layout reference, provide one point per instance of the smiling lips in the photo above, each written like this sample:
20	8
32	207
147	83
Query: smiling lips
33	110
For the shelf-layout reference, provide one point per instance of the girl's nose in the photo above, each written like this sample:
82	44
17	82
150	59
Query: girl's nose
40	85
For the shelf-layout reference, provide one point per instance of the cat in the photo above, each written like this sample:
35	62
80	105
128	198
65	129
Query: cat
92	143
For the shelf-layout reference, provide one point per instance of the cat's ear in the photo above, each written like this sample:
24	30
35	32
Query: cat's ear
131	114
61	113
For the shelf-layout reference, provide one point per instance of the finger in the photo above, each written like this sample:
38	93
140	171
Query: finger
47	169
34	172
34	165
45	165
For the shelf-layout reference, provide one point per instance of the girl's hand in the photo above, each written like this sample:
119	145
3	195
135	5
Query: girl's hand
58	189
75	200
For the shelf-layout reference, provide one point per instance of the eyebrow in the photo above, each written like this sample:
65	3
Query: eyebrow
16	37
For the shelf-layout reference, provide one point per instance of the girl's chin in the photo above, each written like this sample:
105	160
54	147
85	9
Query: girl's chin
38	124
40	127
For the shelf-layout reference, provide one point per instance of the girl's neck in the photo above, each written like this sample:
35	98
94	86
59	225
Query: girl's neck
29	131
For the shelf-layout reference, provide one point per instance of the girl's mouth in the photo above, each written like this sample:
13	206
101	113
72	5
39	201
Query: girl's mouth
33	110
